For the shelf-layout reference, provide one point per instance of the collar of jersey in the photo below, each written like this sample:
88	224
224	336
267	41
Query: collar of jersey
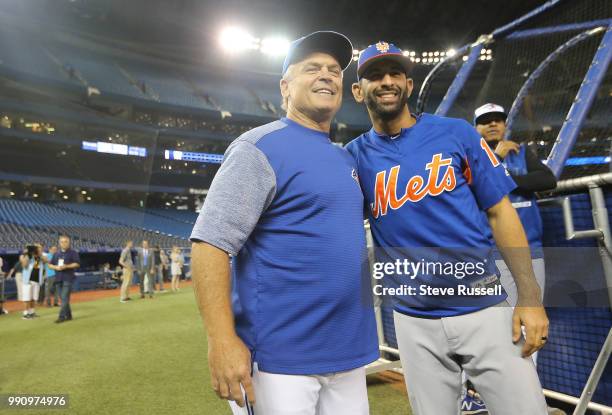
294	124
403	131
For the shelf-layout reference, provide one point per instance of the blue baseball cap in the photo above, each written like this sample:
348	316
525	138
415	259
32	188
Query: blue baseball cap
333	43
380	51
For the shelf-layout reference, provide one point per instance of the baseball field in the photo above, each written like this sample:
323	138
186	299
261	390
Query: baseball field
142	357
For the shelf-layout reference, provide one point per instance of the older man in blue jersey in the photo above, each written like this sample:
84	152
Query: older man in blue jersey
295	333
426	179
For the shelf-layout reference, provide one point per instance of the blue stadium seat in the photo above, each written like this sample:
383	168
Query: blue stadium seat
166	83
29	57
99	71
139	218
92	227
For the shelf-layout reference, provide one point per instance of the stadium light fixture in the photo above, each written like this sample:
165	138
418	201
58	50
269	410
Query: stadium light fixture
275	46
451	52
235	39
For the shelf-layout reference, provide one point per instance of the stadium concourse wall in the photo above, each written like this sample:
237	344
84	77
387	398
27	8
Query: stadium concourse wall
552	69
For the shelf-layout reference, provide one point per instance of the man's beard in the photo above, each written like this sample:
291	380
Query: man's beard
386	112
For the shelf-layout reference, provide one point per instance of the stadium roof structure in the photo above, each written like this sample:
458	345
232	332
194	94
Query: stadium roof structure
191	27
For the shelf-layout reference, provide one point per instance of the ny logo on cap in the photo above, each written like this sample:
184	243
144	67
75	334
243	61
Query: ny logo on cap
382	47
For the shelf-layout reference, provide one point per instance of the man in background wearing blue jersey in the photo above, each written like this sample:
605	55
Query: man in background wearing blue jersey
292	327
426	179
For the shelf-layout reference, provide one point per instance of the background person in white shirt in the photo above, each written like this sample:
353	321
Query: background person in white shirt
176	267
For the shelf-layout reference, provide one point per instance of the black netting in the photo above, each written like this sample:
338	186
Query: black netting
595	139
543	110
576	334
438	84
549	99
572	11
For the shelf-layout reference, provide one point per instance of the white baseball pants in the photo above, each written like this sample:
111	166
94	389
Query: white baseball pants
342	393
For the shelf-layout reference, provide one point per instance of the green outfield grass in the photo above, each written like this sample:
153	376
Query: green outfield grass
143	357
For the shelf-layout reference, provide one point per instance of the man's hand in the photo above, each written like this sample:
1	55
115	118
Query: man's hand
536	328
505	146
229	361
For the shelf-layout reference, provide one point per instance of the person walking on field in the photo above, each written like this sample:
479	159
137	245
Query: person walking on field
176	267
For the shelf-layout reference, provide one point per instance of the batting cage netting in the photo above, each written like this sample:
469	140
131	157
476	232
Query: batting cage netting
535	71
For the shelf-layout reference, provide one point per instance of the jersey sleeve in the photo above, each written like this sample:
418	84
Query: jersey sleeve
538	178
353	150
487	177
351	147
241	191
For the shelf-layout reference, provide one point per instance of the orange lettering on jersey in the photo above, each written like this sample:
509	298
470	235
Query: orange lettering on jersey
467	171
385	191
490	153
382	190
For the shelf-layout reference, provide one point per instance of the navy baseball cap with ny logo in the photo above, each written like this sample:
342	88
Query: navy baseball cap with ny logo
381	51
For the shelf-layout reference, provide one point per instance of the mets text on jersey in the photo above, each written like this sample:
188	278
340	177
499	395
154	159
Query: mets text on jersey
441	177
385	190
